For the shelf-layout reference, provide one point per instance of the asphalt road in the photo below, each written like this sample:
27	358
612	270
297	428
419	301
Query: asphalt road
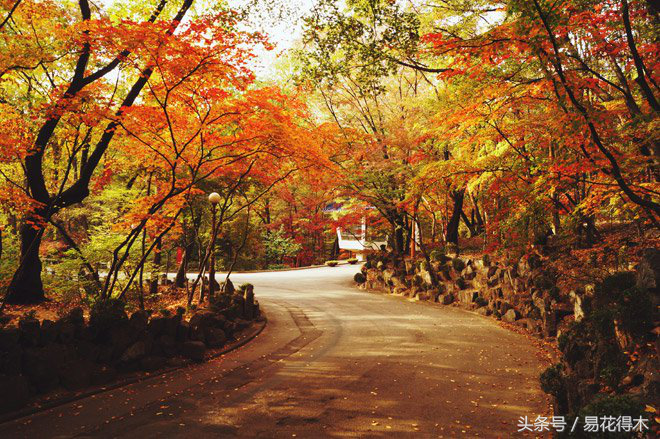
334	362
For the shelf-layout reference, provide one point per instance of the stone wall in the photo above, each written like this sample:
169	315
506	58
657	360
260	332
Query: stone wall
520	293
72	353
606	333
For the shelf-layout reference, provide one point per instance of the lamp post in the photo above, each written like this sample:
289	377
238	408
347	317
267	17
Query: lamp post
214	199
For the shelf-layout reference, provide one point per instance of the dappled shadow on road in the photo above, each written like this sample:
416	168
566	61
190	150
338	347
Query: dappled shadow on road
364	370
340	363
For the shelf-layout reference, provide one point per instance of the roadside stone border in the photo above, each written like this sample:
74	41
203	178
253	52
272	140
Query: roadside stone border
245	337
41	359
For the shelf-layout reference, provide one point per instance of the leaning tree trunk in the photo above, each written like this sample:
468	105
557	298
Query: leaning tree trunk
26	286
451	234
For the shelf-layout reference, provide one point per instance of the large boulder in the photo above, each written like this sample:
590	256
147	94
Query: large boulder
77	374
248	303
467	297
167	345
15	391
157	326
484	311
30	332
134	352
215	337
182	332
152	363
41	365
121	338
76	317
194	350
49	332
172	325
510	316
67	330
102	374
10	360
446	299
139	321
9	338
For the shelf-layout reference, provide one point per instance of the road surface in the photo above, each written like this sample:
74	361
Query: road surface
332	362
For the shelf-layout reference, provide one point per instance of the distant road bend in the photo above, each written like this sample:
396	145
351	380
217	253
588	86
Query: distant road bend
333	362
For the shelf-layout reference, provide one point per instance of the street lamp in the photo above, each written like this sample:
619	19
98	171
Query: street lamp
214	199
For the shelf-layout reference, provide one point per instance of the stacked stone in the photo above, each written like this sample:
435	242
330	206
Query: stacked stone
519	293
38	357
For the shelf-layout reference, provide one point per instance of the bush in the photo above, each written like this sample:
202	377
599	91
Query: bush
360	278
613	405
277	267
331	263
552	380
635	311
352	261
629	305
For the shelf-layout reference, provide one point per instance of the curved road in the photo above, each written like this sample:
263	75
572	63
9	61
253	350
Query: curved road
333	362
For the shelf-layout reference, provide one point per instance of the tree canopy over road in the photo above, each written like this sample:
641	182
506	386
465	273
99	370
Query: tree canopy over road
508	152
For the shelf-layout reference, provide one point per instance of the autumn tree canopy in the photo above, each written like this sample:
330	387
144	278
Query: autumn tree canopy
487	125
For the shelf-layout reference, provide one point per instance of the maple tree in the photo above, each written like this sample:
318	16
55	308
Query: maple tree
542	116
505	122
163	103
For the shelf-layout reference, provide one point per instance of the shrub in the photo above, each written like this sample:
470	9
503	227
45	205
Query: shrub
331	263
552	381
610	288
635	311
352	261
631	306
360	278
613	405
276	266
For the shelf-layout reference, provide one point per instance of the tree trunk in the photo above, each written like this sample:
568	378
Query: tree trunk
153	286
399	239
26	286
180	280
451	234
